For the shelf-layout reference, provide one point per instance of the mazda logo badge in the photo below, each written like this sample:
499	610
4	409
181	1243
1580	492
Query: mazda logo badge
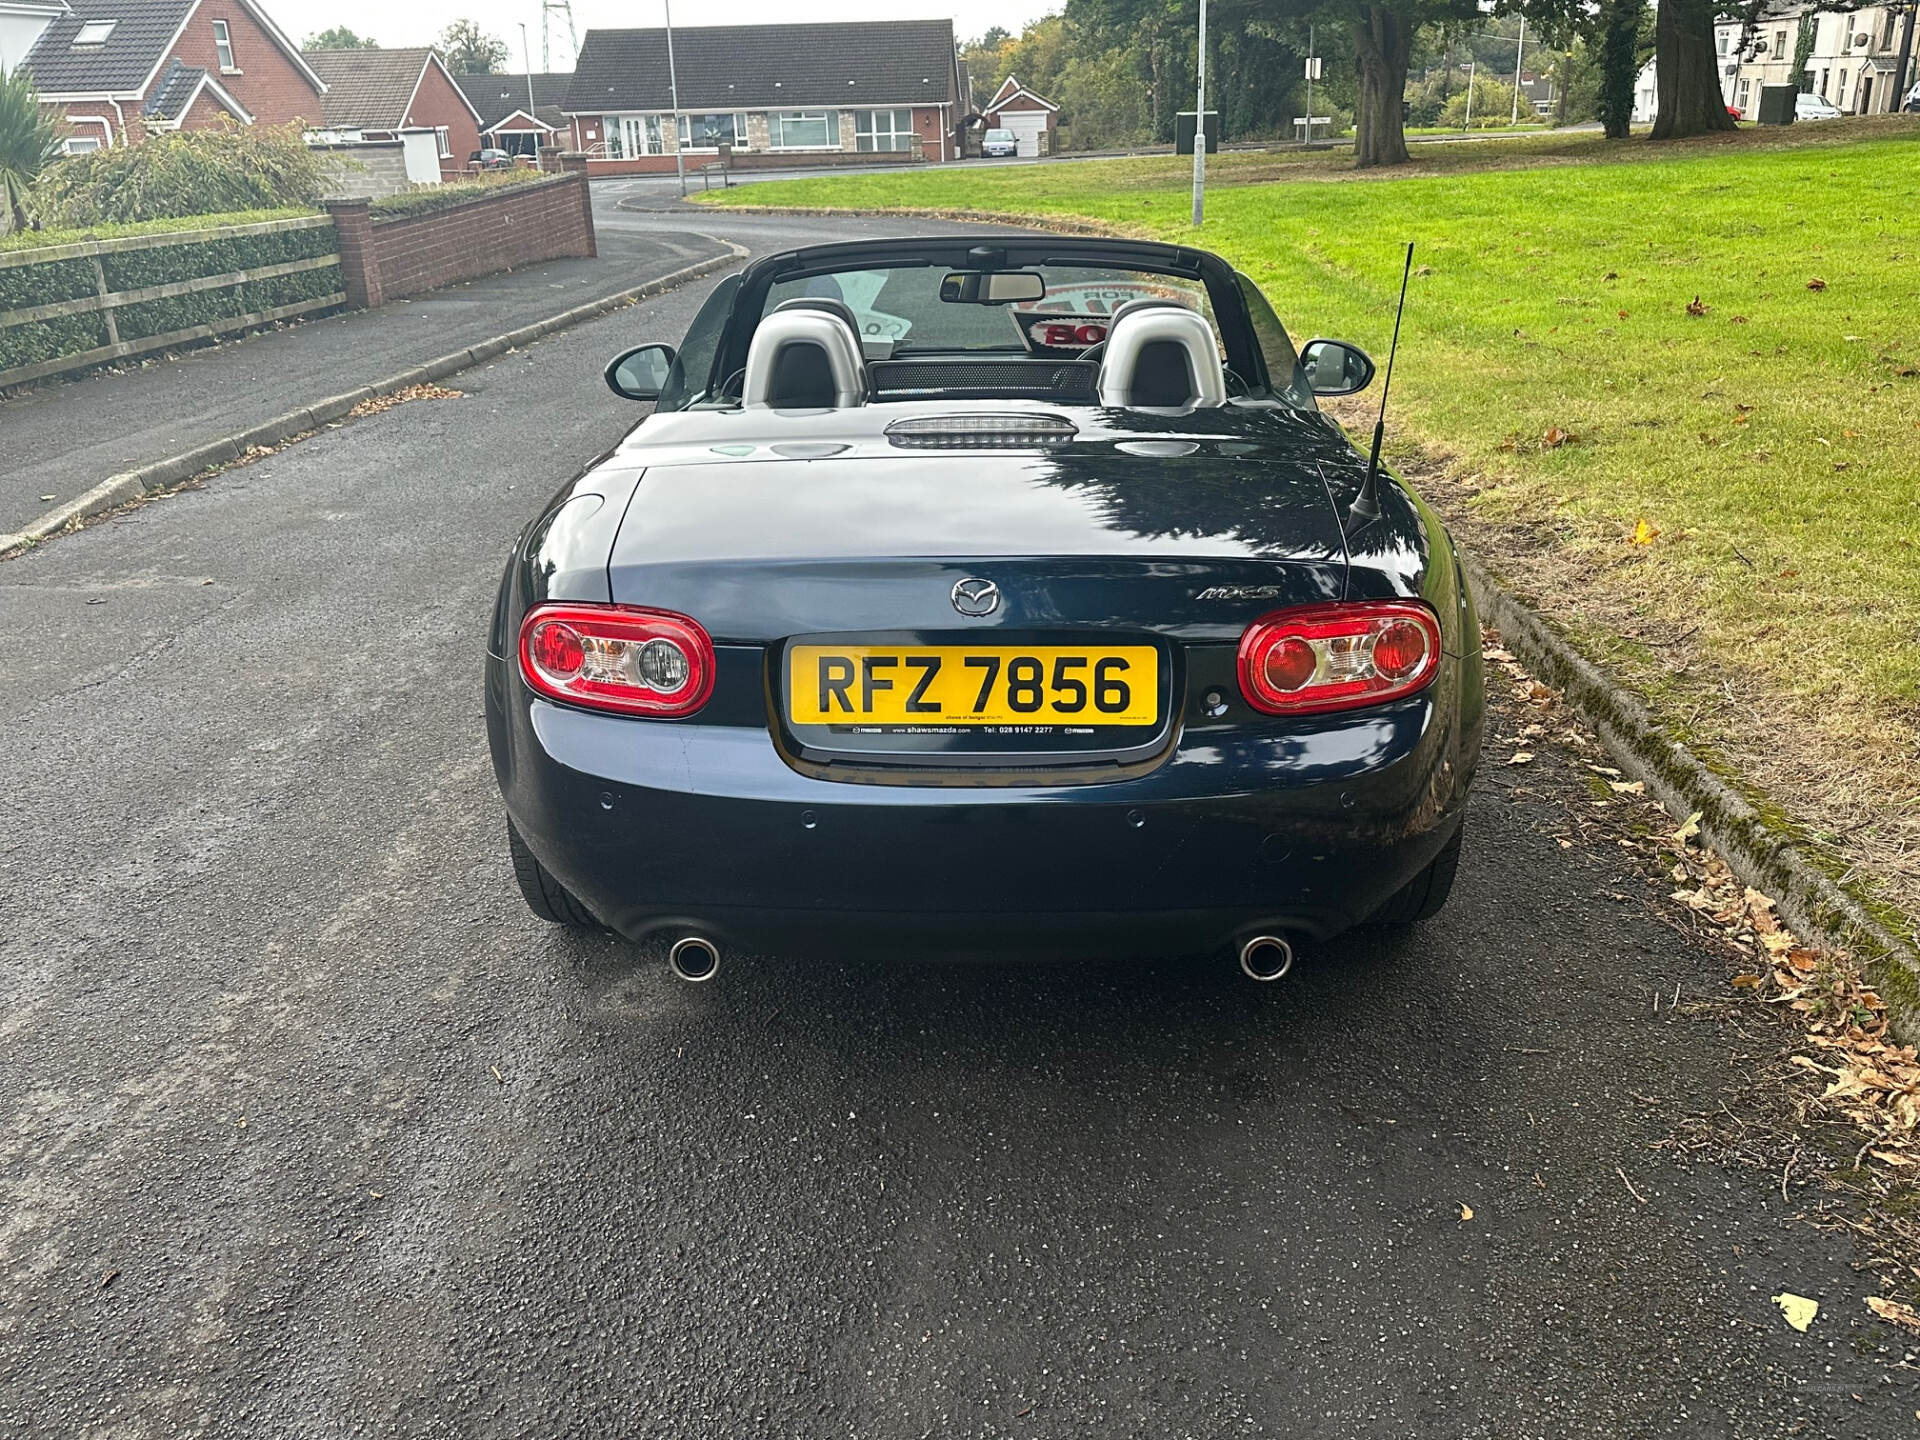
976	597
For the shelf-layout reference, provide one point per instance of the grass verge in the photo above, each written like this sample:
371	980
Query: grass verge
1672	394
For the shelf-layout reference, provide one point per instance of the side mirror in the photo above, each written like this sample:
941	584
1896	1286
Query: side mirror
1336	368
641	374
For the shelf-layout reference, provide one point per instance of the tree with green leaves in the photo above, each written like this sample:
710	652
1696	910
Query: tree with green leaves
340	38
469	50
29	142
1619	22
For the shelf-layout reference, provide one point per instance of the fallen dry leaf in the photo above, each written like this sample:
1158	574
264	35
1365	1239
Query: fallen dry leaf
1555	437
1687	831
1695	308
1746	982
1520	757
1643	533
1816	283
1627	787
1466	1213
1894	1312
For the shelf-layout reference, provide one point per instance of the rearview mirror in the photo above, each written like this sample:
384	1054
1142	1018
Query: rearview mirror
641	374
1336	368
993	287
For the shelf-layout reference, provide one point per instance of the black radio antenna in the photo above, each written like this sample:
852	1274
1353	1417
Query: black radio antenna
1366	505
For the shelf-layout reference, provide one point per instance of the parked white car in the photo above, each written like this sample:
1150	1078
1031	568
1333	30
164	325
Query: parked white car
1808	106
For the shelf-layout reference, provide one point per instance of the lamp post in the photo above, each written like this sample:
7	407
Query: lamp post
526	54
1200	128
673	87
1519	56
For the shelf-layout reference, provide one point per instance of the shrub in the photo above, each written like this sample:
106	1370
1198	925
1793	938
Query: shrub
1492	105
29	141
181	174
430	198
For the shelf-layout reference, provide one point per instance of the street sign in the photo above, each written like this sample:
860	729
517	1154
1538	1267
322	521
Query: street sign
1313	67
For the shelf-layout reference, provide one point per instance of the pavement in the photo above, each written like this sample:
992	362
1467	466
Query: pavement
61	439
308	1129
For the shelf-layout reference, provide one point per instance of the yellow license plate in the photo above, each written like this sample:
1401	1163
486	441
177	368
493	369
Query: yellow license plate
950	685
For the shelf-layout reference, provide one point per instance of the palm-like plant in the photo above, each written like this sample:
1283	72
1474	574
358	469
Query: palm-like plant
29	142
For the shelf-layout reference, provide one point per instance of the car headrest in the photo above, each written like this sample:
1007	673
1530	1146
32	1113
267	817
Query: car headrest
806	355
1161	355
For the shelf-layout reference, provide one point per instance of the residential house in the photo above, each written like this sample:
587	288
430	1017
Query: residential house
382	95
117	70
832	94
520	114
1854	58
21	22
1032	119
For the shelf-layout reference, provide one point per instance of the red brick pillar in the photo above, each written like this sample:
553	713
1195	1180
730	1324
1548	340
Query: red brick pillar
359	261
577	175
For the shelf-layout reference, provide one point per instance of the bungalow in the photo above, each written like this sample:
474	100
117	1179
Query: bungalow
116	70
1031	119
828	94
376	95
520	114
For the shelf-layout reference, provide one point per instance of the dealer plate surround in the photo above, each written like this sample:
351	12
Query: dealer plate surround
906	688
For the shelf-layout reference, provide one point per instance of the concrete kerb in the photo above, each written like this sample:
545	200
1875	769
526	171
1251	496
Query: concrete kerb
129	485
1811	901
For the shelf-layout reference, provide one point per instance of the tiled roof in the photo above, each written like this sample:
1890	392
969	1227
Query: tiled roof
881	62
142	32
369	89
498	96
173	91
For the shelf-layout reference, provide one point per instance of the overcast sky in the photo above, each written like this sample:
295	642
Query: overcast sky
418	24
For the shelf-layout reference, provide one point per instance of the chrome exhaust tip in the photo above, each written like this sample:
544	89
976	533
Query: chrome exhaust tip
694	958
1265	958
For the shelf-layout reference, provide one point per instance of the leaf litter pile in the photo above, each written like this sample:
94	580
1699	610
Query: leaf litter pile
380	404
1842	1103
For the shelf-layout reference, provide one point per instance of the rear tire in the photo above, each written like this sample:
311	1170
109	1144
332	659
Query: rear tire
546	896
1424	896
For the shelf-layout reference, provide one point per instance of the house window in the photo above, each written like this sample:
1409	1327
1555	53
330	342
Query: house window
93	34
1742	101
710	132
445	136
1780	45
1723	42
82	144
883	129
805	130
223	42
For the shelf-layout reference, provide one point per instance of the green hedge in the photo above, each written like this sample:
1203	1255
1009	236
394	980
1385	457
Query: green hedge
43	239
23	286
430	198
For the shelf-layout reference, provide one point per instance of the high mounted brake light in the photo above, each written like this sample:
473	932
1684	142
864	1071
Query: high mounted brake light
1321	658
618	658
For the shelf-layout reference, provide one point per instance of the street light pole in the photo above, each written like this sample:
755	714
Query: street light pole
673	86
1519	56
526	54
1200	128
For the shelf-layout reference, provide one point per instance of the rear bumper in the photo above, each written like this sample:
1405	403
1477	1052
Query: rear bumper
1300	827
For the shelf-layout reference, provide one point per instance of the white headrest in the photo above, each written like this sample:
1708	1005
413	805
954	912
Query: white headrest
826	352
1143	324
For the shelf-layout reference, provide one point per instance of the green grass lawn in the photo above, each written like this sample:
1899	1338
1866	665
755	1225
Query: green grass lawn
1770	434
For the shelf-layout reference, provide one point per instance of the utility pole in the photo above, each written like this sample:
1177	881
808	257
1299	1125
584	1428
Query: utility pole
1200	128
526	54
673	86
1311	67
1470	69
1519	55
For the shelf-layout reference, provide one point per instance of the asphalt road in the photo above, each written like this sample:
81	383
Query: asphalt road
308	1129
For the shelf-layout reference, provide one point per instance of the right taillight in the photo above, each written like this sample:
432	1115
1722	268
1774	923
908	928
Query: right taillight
1318	658
617	657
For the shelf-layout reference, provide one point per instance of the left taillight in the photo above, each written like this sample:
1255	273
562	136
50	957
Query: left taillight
1321	658
617	657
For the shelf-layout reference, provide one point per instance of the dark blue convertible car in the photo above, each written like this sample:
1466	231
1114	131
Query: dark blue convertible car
985	598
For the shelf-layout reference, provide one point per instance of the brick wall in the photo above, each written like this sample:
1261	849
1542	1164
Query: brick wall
928	125
520	225
269	84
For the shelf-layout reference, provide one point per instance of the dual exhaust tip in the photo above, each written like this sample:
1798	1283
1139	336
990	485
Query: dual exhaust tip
696	959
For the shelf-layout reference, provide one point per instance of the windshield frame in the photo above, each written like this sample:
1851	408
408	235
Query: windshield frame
1237	332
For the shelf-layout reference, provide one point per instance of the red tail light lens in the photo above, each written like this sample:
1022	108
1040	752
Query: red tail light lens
617	657
1319	658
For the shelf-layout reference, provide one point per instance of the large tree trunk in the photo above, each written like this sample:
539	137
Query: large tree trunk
1383	39
1686	70
1618	42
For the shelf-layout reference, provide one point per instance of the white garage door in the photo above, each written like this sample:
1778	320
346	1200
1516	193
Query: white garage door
1026	126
